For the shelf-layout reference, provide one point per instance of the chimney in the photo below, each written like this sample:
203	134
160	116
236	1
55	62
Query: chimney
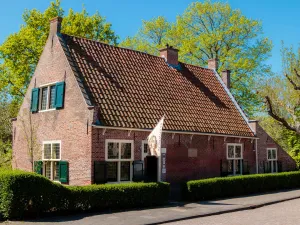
170	54
55	26
213	64
226	78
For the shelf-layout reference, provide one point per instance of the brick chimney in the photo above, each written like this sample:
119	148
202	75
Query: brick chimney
212	64
55	26
170	54
226	78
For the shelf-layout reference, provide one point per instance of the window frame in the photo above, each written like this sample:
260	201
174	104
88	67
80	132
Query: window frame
276	158
48	85
52	161
119	160
234	144
143	154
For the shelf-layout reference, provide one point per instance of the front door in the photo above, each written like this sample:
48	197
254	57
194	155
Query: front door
151	168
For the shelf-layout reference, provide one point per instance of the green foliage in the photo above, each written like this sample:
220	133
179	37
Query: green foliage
214	30
213	188
20	52
28	194
151	37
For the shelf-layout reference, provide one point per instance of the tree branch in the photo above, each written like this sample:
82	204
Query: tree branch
292	82
276	117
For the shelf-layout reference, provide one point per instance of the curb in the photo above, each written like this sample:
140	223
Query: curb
246	207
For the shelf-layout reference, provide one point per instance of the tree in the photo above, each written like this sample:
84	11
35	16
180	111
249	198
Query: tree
20	52
214	30
284	105
151	37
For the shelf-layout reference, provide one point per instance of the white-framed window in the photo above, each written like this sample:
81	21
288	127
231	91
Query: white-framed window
119	156
51	156
235	158
272	160
145	149
47	97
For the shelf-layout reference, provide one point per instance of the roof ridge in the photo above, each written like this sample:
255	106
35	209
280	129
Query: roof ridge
119	47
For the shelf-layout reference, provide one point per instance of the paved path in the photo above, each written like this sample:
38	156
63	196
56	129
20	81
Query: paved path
171	213
285	213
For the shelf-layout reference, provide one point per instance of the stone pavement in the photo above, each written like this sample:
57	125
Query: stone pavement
175	211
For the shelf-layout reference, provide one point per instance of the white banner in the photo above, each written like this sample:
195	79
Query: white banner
154	139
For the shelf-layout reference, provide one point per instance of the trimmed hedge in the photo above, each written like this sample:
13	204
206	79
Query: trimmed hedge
213	188
27	194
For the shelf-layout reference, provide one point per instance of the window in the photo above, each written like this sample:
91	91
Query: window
119	157
145	150
47	97
235	158
272	160
51	158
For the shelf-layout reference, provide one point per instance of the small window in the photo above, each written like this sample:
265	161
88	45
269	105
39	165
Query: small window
119	157
272	153
51	159
234	151
47	97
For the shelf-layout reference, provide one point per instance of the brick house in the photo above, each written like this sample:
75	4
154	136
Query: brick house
90	106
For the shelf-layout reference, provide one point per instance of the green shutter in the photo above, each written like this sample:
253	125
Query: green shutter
63	172
38	167
100	172
34	100
59	95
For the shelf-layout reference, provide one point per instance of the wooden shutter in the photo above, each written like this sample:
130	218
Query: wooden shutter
34	100
38	167
100	172
59	95
63	172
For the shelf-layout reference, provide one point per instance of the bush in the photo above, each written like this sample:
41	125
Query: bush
27	194
213	188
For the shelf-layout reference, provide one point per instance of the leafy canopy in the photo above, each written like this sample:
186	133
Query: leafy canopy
213	30
20	52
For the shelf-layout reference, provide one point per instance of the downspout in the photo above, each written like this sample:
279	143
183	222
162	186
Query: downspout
256	156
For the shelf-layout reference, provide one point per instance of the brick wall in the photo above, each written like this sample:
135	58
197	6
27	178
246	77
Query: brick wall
179	166
69	125
264	142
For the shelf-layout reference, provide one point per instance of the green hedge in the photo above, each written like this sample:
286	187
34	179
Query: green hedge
213	188
27	194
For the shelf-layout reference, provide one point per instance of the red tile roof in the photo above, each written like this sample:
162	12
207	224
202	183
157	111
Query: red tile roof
135	89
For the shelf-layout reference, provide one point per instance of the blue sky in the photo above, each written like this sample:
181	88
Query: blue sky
280	18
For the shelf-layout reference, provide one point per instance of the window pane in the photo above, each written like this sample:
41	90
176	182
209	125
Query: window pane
55	151
44	98
146	148
55	171
269	154
125	150
48	169
125	171
238	152
112	171
47	151
52	97
230	152
273	153
113	150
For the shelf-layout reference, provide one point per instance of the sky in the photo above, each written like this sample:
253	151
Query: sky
280	19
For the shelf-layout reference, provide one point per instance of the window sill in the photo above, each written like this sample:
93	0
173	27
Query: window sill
47	110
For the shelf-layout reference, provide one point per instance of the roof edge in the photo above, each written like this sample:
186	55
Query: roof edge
175	131
233	100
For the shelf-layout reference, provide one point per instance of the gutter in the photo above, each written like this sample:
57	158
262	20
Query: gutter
173	132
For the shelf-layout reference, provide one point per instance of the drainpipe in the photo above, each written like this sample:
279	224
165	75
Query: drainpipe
256	155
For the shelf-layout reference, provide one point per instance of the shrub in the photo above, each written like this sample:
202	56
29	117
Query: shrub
27	194
213	188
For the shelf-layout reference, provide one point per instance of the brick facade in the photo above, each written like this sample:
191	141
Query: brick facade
69	125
